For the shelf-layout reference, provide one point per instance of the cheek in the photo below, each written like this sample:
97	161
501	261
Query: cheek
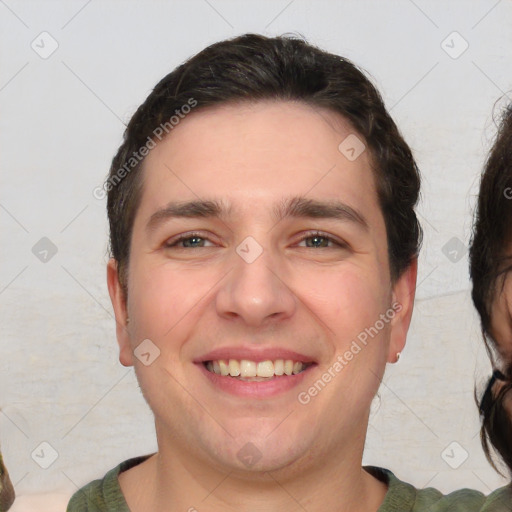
501	326
349	304
160	300
348	299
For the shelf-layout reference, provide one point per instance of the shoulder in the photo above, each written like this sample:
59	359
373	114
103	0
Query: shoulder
103	495
499	501
89	497
404	497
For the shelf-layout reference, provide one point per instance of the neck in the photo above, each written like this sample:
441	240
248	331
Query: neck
174	479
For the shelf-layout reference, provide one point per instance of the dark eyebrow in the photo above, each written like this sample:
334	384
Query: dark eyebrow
291	207
188	209
315	209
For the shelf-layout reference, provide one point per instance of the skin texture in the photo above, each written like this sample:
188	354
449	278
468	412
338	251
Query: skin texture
501	323
51	502
501	328
313	300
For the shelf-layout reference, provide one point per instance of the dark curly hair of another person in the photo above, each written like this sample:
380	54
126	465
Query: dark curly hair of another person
490	267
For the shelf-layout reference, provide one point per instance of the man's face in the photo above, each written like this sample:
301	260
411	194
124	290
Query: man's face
259	283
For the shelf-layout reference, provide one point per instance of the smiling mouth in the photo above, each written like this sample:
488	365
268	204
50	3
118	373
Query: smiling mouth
253	371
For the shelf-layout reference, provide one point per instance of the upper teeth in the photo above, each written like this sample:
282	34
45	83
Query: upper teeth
245	368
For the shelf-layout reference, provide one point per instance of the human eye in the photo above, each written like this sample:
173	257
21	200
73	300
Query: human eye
187	241
321	241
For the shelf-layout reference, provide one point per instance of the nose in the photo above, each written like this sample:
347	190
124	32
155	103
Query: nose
256	292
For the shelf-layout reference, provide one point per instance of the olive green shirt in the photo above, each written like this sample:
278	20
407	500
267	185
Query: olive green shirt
105	495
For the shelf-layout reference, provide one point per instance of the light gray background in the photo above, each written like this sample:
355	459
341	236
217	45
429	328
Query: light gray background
60	124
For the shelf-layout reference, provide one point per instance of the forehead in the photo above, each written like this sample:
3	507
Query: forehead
252	155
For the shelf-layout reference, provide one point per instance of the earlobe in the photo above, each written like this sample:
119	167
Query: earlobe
404	291
118	300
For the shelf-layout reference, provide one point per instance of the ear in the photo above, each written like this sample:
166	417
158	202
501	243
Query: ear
404	291
118	300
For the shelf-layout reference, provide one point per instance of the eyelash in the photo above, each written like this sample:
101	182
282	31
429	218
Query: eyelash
312	234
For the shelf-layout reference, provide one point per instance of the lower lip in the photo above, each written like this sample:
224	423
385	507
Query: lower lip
255	389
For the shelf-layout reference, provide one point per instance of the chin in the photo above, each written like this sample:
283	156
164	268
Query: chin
247	454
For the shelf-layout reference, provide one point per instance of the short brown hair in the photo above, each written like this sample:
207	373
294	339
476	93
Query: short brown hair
251	68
